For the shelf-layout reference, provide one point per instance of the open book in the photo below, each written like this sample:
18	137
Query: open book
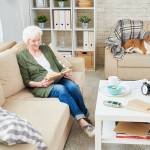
57	75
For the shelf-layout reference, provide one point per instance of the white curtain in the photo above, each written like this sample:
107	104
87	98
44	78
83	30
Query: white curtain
1	31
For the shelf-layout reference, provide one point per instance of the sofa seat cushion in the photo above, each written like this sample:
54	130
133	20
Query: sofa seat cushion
23	95
6	45
48	116
135	60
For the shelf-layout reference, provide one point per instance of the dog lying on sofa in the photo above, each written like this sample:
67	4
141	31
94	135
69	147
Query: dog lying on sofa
141	46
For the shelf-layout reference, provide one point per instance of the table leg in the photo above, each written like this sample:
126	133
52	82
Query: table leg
98	135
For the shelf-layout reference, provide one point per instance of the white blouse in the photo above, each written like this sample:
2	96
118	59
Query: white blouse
41	60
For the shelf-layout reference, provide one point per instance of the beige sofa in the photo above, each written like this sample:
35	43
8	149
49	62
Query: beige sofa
48	115
131	67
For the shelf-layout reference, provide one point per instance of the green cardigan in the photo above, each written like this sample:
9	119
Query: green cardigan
32	71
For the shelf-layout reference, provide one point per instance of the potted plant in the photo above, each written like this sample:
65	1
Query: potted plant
41	21
85	21
61	3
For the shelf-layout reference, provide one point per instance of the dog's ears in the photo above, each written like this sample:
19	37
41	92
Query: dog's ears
146	36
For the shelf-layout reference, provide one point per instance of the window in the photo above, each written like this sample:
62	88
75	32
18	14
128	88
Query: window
1	31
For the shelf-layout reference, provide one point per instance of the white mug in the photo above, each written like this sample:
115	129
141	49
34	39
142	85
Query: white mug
113	81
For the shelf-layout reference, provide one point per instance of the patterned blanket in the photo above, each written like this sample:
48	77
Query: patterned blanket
14	130
124	30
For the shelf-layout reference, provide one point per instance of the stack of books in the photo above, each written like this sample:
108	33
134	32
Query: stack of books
134	130
85	3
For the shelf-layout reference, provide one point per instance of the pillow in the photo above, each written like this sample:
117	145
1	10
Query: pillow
14	130
2	98
19	46
6	45
62	60
10	76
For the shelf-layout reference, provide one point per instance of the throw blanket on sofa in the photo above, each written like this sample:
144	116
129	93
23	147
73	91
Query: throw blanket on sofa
14	130
124	30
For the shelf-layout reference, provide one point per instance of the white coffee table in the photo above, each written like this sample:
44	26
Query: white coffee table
105	117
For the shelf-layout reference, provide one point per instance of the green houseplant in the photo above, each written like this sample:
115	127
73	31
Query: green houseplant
61	3
85	21
41	21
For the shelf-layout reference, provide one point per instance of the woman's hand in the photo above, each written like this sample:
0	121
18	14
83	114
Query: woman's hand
43	83
68	75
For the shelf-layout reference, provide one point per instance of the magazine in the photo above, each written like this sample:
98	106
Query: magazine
57	75
137	130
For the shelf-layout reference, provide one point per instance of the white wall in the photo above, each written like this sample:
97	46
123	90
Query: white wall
12	13
109	11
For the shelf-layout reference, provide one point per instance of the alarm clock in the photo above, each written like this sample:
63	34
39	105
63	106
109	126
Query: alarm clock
145	88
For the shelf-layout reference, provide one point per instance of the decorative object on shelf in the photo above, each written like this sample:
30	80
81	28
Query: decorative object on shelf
41	21
146	88
85	21
61	3
85	3
41	3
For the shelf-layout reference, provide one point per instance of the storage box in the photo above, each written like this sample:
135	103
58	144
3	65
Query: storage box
88	56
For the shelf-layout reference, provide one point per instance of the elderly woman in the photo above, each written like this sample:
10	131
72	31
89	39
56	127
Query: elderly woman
38	60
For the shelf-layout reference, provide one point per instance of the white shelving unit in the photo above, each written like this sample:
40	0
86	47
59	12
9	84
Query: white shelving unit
67	40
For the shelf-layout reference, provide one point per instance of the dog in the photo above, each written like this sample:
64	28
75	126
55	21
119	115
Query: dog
141	46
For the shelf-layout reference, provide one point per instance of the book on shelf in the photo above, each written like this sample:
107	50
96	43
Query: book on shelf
128	136
57	75
137	130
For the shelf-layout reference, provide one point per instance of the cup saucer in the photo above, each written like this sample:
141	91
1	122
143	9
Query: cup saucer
114	90
124	91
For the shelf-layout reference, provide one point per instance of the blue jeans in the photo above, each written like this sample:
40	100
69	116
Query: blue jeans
69	92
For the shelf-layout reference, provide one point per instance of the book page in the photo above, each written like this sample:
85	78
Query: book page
53	76
66	70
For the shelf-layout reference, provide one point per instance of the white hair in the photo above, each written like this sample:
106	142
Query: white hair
31	32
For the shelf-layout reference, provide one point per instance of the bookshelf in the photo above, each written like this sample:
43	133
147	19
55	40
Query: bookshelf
68	40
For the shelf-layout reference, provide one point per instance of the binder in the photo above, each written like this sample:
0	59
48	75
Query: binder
85	40
56	19
91	41
62	19
67	19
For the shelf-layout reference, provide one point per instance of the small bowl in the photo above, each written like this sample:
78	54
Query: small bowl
114	90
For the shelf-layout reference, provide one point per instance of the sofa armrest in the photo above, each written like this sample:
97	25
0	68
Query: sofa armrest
111	64
78	63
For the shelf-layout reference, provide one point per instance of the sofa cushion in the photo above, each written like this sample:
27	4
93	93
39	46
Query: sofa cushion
60	58
2	98
10	76
133	73
135	60
79	77
24	94
6	45
42	117
18	147
19	46
15	130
